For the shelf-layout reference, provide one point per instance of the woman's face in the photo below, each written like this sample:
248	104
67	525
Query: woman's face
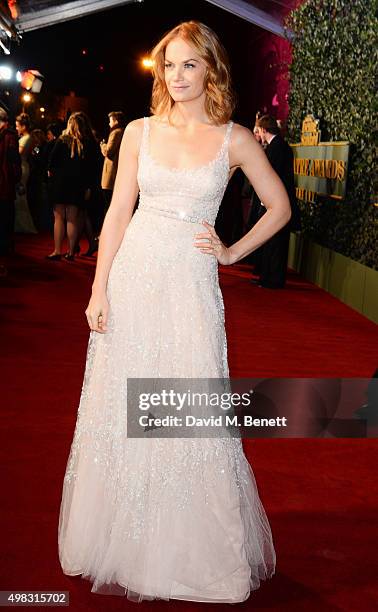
184	71
20	128
112	122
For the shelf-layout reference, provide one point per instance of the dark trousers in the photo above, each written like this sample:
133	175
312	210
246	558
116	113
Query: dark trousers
273	261
7	217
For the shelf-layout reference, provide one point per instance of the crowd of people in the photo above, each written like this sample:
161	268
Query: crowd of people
60	180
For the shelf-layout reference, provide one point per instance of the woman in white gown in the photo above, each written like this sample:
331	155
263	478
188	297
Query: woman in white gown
168	518
23	221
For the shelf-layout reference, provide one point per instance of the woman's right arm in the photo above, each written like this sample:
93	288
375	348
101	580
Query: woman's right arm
117	218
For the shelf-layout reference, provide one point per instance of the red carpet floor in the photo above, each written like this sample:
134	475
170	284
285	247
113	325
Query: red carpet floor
320	495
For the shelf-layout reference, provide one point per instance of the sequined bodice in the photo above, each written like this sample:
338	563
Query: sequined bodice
189	194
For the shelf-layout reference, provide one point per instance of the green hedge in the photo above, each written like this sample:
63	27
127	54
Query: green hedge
332	76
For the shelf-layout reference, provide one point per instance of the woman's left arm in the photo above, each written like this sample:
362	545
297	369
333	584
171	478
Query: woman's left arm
247	153
24	144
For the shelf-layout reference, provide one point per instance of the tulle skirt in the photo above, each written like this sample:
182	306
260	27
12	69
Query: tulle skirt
159	518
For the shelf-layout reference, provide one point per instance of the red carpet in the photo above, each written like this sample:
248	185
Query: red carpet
320	495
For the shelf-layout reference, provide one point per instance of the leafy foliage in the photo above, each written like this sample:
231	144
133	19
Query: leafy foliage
332	76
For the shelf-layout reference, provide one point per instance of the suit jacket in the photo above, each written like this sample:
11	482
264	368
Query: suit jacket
109	170
281	159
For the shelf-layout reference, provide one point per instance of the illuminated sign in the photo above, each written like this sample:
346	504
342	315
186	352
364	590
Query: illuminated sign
320	168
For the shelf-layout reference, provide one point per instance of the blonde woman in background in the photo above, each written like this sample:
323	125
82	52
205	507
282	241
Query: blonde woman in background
70	169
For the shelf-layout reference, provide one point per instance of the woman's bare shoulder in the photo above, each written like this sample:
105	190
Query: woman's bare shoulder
135	127
133	134
241	134
242	139
242	145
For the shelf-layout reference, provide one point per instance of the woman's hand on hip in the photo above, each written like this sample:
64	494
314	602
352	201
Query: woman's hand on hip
97	312
211	244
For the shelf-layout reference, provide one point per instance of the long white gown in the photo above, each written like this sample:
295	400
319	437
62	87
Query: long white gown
162	518
23	221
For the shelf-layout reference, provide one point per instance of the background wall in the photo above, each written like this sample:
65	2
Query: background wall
332	75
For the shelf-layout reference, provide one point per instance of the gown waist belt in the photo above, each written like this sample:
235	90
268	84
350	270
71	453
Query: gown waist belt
173	214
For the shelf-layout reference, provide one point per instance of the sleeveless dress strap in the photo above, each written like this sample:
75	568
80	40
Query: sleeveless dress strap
144	141
225	146
228	133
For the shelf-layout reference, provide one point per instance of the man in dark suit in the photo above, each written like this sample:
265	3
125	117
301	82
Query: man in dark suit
274	253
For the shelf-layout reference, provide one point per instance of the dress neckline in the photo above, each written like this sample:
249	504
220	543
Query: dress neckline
224	147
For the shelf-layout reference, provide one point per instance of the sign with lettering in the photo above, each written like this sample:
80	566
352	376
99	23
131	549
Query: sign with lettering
320	168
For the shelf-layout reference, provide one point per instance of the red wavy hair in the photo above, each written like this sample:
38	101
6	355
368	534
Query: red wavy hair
220	98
